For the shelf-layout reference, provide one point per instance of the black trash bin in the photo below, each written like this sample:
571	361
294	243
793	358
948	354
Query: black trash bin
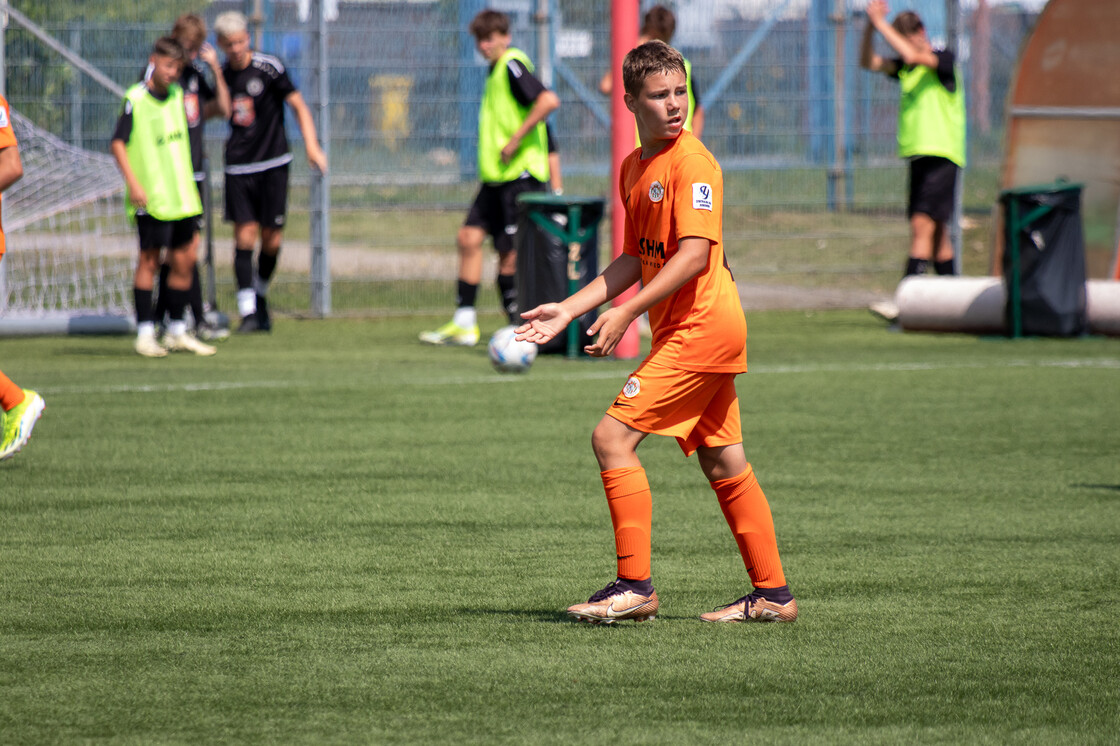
1044	260
557	254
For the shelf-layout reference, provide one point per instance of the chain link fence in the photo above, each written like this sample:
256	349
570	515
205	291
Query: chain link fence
815	197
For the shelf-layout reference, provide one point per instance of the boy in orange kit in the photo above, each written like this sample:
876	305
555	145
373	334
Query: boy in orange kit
19	408
685	388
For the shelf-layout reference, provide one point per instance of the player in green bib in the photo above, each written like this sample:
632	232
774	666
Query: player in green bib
152	149
513	158
659	23
931	135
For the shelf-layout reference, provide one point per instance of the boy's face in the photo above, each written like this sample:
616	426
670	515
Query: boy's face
661	107
493	46
165	71
236	48
191	47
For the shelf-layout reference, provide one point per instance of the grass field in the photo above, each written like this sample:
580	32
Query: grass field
334	535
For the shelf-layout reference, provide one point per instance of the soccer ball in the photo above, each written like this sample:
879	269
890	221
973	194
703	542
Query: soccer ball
508	355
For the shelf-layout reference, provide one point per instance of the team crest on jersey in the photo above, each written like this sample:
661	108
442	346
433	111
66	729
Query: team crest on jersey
632	388
254	87
656	192
243	113
194	113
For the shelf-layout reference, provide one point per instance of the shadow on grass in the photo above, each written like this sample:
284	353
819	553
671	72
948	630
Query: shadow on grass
552	616
1114	487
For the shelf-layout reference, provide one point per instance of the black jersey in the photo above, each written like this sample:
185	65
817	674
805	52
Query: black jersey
197	92
257	141
524	86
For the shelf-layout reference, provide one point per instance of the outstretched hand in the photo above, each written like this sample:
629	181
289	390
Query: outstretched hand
543	323
877	10
610	326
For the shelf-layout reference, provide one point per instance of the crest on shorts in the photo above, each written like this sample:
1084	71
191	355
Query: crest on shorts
632	388
656	192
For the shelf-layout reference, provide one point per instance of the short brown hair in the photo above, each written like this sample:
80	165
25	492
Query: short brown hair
650	58
908	22
169	46
659	23
189	29
488	22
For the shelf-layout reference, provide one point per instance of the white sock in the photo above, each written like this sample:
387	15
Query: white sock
465	317
146	329
260	286
177	327
247	302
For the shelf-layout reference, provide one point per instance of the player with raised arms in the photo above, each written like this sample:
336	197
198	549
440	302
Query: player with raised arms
672	188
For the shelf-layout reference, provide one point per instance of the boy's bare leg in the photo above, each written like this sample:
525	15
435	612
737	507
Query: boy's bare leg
468	242
463	327
922	231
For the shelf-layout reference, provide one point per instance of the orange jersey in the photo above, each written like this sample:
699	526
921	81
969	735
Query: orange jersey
7	140
675	194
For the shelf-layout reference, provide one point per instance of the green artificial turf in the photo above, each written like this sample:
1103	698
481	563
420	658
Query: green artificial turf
333	534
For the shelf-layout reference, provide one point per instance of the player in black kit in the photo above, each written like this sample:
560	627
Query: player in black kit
202	102
257	159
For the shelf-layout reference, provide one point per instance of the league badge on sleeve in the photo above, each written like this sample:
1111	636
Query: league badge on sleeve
702	197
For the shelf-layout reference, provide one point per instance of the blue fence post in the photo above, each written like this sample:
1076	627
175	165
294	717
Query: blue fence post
472	78
822	53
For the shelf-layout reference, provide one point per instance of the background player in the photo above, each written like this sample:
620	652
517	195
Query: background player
512	159
672	188
152	150
202	102
257	159
660	23
20	408
931	135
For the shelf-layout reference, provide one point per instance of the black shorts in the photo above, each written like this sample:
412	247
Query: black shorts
260	197
933	186
495	210
165	234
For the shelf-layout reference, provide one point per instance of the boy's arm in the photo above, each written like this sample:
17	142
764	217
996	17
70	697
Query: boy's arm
546	103
549	319
136	194
868	59
877	17
315	155
690	260
221	105
11	167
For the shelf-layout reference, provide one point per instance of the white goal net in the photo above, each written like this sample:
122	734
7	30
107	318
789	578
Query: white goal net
70	249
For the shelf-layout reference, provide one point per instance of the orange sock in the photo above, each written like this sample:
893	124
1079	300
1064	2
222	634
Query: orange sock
748	514
11	396
631	505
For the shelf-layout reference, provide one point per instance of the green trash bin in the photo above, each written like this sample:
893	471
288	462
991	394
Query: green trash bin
1044	260
557	254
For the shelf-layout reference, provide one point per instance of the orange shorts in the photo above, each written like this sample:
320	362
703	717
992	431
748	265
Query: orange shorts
698	409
